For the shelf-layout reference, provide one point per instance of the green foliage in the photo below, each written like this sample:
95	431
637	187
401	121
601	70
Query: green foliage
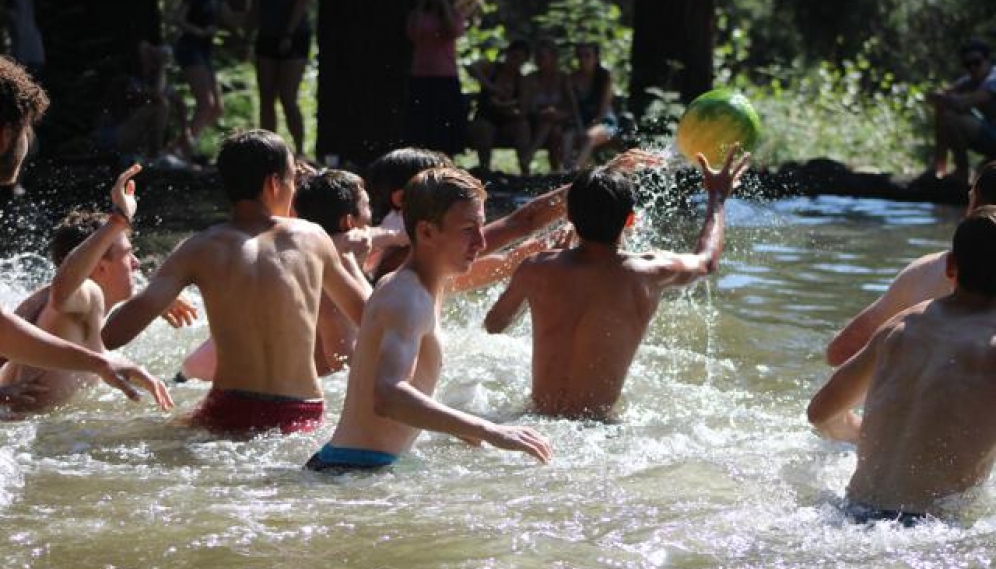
484	40
853	111
236	76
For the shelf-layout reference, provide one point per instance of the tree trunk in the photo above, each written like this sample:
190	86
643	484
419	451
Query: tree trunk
672	49
364	59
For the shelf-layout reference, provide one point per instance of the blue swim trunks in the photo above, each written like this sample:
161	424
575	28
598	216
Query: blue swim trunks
338	460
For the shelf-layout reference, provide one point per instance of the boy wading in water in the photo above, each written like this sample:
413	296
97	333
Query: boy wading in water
927	379
398	354
261	275
591	304
95	271
22	104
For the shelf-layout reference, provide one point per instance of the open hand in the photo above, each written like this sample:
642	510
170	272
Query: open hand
125	376
561	237
22	393
355	241
180	313
123	192
722	182
522	439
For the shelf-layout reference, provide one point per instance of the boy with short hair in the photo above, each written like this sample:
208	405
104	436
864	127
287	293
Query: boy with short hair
261	275
95	269
398	355
591	304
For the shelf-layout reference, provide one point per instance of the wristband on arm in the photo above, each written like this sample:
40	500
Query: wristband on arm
118	212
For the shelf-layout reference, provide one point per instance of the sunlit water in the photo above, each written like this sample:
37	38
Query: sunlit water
712	464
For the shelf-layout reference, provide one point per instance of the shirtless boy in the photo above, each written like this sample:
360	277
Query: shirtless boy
591	304
926	380
336	200
923	279
22	104
398	355
95	269
261	275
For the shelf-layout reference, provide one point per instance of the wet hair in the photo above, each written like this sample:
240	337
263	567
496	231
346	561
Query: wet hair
22	101
74	229
328	197
393	170
973	250
985	185
247	159
598	203
975	45
521	46
431	193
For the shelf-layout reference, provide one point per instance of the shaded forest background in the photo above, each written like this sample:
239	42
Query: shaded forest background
845	79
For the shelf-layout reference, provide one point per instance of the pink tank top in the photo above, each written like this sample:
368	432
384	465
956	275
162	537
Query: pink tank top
435	49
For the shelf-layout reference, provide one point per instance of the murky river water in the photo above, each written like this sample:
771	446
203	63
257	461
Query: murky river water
712	465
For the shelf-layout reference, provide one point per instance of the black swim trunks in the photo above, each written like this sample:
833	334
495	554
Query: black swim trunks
269	46
865	514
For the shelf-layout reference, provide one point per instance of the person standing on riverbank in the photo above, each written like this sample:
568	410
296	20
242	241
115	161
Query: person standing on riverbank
261	275
591	304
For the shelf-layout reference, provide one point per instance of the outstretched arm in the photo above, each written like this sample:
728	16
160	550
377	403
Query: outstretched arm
496	266
165	285
536	214
510	304
23	343
678	270
404	328
923	279
831	410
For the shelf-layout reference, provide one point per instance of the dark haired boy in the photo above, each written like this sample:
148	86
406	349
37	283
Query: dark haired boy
591	304
928	431
261	275
95	266
338	202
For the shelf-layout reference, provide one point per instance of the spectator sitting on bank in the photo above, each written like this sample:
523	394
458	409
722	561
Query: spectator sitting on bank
550	103
965	113
500	117
592	84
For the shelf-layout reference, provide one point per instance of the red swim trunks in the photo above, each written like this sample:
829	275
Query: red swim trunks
235	411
